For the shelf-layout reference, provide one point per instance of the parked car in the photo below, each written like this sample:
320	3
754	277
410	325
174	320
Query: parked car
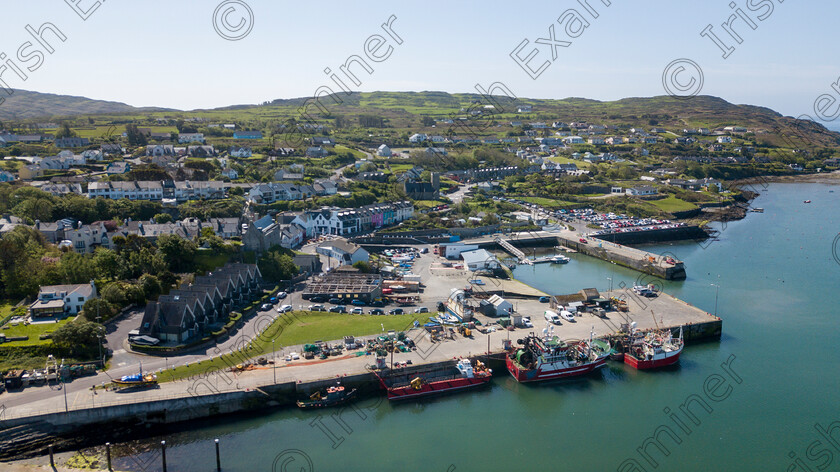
281	295
526	322
338	309
335	301
545	299
317	308
377	311
273	300
358	302
357	311
318	298
425	250
265	307
422	309
285	309
378	303
397	311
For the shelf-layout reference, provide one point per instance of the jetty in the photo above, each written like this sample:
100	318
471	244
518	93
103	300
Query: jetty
664	266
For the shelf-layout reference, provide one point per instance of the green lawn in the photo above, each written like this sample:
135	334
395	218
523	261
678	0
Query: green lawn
208	260
399	168
357	154
300	327
426	203
672	204
33	331
6	307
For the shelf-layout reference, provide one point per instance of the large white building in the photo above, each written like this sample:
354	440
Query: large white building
57	301
344	252
479	259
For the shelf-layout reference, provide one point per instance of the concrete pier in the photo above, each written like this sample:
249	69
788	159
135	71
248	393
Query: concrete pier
643	261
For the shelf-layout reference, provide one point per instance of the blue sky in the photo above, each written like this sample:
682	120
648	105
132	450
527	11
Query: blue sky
167	53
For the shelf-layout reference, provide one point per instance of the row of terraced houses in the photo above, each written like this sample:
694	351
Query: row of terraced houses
197	308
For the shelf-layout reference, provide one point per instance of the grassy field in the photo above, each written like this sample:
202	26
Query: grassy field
33	331
300	328
672	204
548	202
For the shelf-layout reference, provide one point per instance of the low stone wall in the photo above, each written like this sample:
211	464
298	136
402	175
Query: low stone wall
658	235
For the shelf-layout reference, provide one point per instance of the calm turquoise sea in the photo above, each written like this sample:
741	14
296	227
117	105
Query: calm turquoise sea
753	401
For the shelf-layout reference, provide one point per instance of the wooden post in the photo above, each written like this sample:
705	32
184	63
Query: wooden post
108	454
52	460
163	454
218	460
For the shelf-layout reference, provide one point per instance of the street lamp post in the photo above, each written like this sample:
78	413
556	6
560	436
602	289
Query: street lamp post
99	336
274	358
63	387
717	288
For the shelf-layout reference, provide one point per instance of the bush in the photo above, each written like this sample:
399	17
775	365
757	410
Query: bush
229	325
219	333
235	316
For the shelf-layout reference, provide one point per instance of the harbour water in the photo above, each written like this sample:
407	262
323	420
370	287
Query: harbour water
751	401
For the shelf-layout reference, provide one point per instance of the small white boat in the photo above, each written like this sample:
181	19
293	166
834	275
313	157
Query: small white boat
560	259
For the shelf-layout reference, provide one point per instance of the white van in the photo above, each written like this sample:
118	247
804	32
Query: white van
552	317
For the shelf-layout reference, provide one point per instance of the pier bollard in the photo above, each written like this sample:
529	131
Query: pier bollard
218	460
108	454
52	460
163	454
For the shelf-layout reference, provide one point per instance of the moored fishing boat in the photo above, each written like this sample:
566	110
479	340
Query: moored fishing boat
548	358
332	396
560	259
463	375
653	350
